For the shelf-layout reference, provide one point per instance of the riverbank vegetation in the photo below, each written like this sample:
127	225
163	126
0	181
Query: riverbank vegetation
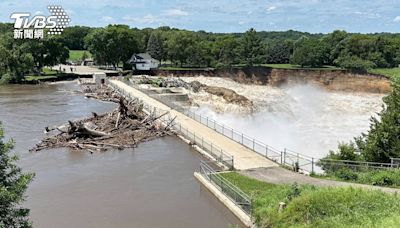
180	49
309	206
13	184
380	177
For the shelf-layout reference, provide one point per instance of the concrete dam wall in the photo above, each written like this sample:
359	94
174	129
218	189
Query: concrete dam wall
337	80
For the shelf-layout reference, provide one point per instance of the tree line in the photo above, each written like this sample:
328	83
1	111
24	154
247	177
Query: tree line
114	44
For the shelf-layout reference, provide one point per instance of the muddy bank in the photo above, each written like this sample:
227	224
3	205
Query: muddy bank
336	80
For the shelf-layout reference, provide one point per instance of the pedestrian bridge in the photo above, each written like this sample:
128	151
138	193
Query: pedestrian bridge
205	137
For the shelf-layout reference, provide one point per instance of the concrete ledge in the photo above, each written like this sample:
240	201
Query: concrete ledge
243	217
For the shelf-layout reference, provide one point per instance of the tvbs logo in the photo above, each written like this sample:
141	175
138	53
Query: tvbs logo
26	27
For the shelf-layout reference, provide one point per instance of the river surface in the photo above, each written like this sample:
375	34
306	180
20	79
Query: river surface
150	186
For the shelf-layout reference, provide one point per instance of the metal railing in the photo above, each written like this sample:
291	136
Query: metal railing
286	157
216	152
395	162
241	199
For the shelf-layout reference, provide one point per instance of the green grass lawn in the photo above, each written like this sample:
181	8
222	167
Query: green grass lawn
181	68
308	206
47	73
390	72
292	66
76	55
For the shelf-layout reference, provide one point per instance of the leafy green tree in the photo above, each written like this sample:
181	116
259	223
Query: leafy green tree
155	46
309	52
47	52
226	50
279	51
84	56
354	63
112	45
13	184
252	48
74	37
15	60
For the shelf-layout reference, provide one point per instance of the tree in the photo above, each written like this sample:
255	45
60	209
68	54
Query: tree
252	48
74	37
84	56
226	50
309	52
13	184
354	63
155	45
112	45
15	60
47	52
279	51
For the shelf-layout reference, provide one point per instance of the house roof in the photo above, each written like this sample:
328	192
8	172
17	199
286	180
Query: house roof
140	58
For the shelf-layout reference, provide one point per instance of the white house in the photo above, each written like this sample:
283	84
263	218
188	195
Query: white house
143	61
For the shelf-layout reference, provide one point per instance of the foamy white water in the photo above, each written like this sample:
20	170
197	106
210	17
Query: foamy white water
303	118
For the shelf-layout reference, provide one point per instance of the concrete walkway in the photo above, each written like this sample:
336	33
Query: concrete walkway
244	158
279	175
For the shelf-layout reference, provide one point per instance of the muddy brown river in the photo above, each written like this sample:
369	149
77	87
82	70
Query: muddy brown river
149	186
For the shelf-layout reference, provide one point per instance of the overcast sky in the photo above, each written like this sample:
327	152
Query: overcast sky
314	16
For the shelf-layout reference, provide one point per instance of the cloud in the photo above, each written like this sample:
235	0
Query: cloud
271	8
107	18
176	13
147	19
396	19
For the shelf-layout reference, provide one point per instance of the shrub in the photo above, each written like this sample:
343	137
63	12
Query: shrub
346	174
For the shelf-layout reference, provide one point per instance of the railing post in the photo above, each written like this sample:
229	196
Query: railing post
312	165
281	157
242	138
254	143
232	134
284	156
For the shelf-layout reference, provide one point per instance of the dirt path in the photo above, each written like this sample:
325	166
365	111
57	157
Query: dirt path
279	175
244	158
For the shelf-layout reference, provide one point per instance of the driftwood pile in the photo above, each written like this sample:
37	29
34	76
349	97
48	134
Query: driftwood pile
122	128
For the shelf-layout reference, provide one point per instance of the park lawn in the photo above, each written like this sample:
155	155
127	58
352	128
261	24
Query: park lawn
182	68
292	66
47	73
309	206
390	72
76	55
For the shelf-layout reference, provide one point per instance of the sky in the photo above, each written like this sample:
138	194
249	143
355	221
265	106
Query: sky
315	16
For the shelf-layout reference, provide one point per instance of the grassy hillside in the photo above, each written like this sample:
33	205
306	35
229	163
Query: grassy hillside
309	206
76	55
390	72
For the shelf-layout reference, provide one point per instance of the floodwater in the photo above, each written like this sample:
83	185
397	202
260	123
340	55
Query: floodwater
303	118
149	186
